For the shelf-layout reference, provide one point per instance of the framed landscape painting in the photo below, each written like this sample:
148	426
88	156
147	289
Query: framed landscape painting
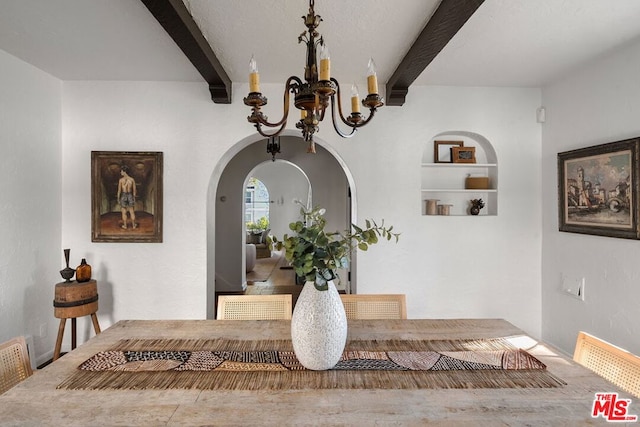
126	196
598	190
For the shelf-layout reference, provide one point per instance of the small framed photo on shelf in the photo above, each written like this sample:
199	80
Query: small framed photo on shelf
442	150
463	154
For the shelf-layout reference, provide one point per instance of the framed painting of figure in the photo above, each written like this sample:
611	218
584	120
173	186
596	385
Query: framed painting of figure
598	190
126	196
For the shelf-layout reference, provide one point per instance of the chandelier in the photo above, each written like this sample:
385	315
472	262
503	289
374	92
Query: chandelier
313	96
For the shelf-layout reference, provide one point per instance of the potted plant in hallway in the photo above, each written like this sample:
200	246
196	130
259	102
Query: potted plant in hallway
319	323
255	230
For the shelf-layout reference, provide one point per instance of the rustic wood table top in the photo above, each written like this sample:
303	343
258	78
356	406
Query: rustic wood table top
38	401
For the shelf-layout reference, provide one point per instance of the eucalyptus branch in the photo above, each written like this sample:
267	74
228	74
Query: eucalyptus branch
316	255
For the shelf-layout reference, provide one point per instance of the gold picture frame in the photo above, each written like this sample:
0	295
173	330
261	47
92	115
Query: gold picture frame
463	154
126	196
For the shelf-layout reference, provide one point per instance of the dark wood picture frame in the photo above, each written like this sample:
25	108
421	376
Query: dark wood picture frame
598	190
442	150
126	185
463	154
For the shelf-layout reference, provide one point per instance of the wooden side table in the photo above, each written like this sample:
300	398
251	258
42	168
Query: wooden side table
72	300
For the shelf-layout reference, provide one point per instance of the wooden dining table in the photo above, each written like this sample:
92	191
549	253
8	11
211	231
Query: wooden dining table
41	400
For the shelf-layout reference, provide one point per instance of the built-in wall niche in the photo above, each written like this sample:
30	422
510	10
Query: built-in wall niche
445	181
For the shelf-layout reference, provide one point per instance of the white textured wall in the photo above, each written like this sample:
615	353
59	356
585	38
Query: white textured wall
30	201
454	266
448	267
148	280
596	105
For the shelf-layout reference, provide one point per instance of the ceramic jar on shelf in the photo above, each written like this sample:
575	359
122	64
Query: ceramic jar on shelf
432	206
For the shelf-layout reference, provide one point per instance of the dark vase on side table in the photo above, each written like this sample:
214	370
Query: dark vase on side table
67	273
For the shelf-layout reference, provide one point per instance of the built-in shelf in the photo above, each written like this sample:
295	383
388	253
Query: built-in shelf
445	182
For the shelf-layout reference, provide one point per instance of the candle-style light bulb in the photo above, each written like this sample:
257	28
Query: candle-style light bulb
325	62
254	77
355	99
372	78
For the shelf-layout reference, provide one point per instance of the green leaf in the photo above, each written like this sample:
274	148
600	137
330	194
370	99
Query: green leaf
321	287
316	254
322	240
321	253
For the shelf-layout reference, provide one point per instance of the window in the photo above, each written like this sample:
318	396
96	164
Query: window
256	201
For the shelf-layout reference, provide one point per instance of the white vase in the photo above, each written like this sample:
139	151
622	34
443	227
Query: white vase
318	327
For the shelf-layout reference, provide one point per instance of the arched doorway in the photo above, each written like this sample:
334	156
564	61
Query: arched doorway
333	188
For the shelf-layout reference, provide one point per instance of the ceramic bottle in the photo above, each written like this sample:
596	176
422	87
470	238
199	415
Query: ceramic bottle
83	272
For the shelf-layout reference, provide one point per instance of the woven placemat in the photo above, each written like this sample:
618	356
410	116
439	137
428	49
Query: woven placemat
271	365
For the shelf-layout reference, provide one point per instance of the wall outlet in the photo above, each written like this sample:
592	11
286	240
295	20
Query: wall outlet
43	330
573	287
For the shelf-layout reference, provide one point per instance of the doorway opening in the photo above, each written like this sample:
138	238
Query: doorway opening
289	188
333	189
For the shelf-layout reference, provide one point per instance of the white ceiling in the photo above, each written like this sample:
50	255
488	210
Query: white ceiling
505	43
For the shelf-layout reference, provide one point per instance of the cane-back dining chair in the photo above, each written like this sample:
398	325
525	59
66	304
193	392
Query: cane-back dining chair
254	307
14	363
375	306
609	361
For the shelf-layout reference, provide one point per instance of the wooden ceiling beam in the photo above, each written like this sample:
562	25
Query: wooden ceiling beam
448	18
179	24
